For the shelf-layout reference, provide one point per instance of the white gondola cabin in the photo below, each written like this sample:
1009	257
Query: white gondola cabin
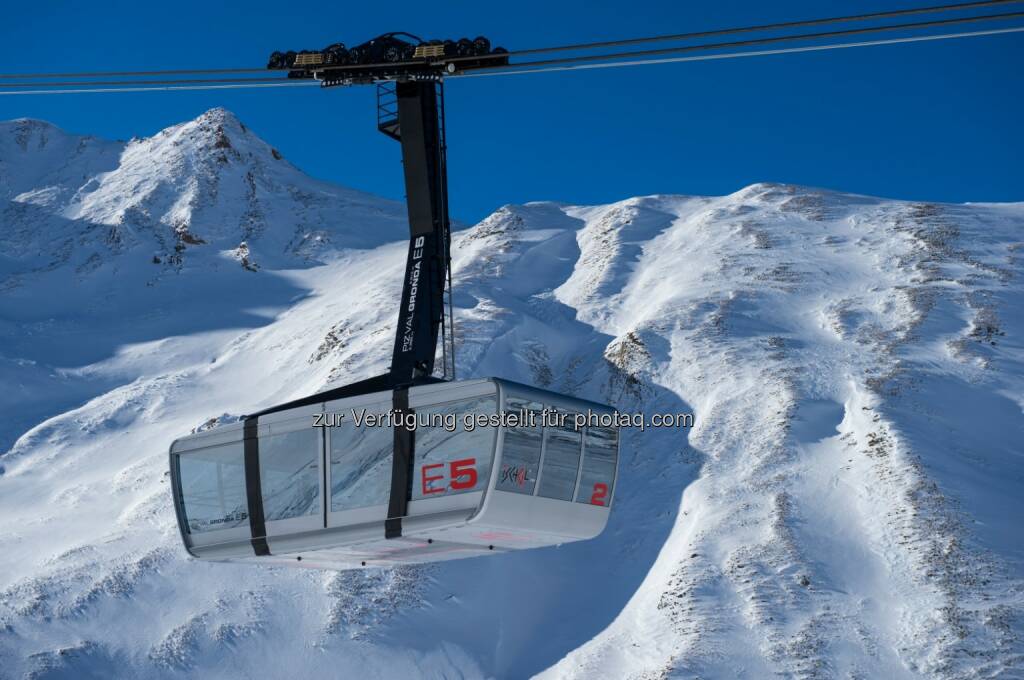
319	477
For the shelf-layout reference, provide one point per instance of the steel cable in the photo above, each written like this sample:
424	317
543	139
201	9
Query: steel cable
562	48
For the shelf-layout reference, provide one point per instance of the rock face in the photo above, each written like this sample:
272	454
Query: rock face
846	503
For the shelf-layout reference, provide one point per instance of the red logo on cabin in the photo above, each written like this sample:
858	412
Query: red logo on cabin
461	476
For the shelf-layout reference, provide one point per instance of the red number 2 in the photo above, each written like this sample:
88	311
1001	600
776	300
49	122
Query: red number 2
600	491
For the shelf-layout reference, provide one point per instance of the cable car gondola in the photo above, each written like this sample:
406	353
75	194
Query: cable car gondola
308	483
324	478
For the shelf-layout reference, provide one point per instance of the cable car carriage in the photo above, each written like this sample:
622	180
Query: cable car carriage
344	479
317	478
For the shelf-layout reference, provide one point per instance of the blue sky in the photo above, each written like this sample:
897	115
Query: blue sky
938	121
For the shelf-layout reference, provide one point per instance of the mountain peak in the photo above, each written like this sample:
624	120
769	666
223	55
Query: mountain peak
190	193
25	134
222	120
216	139
215	129
218	114
27	123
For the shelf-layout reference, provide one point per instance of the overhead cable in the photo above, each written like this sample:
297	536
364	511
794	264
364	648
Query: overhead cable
966	6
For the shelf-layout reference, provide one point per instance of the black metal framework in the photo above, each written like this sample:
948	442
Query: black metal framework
411	112
387	110
426	290
391	56
402	460
253	487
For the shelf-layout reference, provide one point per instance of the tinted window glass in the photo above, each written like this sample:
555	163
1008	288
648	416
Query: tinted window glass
561	462
520	458
452	462
360	465
289	474
599	458
213	488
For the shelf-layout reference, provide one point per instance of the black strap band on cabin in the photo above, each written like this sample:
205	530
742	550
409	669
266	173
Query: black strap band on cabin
253	488
401	467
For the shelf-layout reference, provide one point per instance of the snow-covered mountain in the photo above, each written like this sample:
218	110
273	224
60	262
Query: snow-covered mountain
848	504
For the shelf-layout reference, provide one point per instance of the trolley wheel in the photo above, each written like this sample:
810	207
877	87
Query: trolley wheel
335	54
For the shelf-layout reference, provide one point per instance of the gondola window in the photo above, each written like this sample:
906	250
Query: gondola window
521	450
451	462
213	488
561	461
598	466
360	465
289	473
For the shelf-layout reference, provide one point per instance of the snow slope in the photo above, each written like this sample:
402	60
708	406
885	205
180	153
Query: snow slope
847	504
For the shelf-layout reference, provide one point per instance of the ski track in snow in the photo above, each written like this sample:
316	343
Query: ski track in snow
846	506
